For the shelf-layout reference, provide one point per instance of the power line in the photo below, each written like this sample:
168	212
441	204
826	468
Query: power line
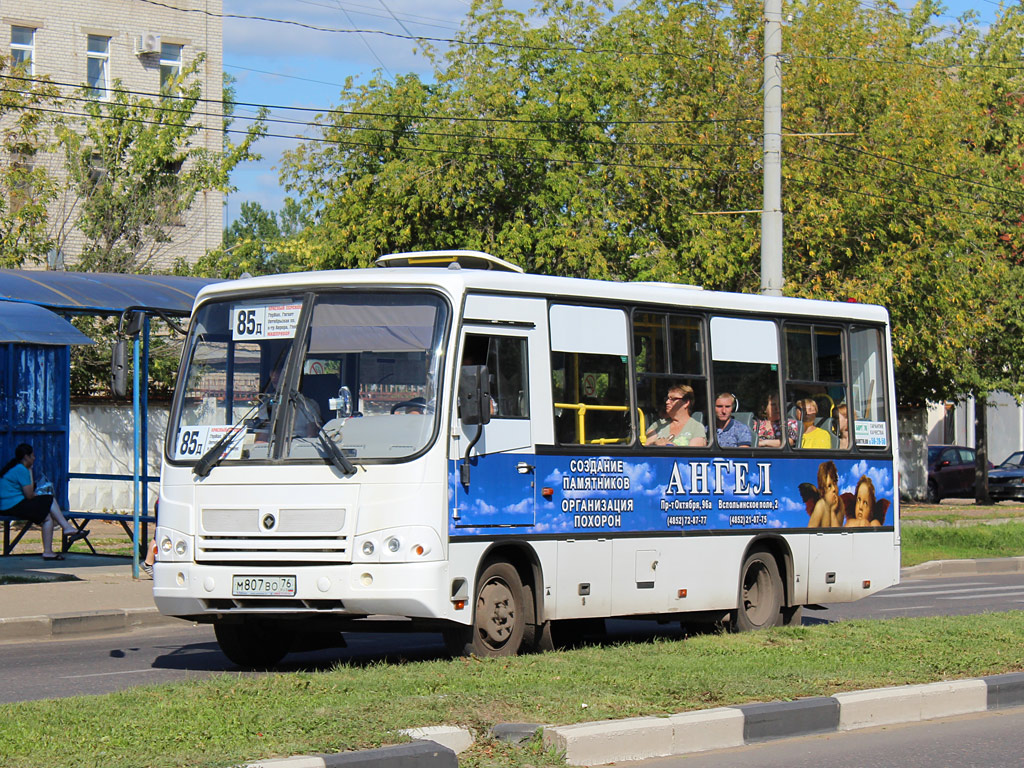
875	196
438	150
424	38
433	134
890	180
404	116
923	63
912	166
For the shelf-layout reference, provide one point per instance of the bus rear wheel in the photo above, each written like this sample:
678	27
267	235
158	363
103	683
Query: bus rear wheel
499	618
760	597
252	643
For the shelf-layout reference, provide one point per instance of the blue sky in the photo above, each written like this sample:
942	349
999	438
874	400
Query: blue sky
292	66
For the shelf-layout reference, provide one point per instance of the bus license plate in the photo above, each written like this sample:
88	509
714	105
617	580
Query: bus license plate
263	586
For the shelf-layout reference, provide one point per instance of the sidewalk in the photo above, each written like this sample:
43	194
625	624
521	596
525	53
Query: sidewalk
85	594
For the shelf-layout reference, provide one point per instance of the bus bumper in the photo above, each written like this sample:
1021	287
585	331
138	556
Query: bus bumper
416	590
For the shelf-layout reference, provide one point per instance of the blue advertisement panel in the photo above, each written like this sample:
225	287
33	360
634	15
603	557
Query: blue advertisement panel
549	494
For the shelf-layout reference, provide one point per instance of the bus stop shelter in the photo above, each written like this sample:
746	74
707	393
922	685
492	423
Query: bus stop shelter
35	341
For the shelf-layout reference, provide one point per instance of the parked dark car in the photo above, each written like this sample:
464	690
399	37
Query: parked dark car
1007	480
950	472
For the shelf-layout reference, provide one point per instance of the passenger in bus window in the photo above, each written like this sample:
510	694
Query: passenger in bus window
678	427
731	433
812	436
843	426
828	510
768	424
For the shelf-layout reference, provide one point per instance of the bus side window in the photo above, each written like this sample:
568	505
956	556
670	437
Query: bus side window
589	370
506	360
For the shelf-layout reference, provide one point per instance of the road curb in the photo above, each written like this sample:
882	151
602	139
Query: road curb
611	741
62	625
416	754
947	568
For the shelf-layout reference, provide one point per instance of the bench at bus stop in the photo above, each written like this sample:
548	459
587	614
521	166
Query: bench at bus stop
81	520
15	528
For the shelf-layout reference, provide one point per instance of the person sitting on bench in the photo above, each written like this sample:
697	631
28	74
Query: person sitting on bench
18	498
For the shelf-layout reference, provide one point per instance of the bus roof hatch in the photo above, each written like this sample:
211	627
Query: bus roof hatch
464	260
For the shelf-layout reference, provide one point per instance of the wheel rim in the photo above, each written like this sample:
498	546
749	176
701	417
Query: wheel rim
495	613
757	592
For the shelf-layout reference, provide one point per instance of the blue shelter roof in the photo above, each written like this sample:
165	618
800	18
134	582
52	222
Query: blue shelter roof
31	324
100	292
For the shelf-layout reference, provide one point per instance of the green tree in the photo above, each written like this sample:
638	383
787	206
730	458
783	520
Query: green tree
136	165
258	242
626	145
26	189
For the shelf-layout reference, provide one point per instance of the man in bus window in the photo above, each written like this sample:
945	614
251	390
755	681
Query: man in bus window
731	433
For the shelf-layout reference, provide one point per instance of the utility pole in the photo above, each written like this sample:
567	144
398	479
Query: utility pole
771	215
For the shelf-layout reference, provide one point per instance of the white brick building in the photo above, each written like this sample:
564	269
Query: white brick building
138	42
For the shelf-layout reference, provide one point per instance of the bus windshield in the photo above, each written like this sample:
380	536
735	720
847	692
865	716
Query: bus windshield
279	374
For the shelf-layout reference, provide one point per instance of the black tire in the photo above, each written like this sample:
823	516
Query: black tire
934	497
499	615
793	616
253	644
759	604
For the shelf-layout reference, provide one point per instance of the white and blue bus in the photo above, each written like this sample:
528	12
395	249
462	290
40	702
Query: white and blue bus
501	457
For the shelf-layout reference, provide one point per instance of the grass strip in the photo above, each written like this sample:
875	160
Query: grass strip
920	544
231	719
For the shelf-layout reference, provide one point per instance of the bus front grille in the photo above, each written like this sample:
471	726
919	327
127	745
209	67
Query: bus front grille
272	549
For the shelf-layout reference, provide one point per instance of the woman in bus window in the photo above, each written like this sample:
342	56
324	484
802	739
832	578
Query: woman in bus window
678	427
768	425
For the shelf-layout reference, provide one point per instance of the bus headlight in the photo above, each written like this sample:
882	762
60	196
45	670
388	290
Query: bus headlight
165	545
368	548
394	544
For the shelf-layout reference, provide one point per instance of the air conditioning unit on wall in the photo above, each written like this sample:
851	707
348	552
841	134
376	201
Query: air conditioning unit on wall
148	42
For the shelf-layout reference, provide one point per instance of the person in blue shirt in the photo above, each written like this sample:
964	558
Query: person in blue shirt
731	433
18	498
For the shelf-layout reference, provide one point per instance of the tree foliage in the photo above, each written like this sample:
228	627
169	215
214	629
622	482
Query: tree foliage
25	187
136	165
258	242
625	144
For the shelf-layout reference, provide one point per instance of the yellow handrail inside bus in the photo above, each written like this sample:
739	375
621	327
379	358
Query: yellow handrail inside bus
581	415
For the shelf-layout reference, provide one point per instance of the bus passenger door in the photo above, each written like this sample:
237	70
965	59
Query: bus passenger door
509	336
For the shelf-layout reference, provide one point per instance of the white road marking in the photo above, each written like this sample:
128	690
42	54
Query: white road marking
103	674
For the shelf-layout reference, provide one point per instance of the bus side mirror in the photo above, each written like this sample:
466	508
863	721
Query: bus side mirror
119	368
474	394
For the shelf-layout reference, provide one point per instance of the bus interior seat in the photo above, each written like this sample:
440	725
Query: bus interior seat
320	387
746	418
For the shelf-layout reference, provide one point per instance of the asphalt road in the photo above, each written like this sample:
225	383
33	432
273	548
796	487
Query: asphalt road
101	664
984	740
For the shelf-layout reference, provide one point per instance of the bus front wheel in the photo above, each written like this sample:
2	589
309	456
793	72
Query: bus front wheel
499	616
760	598
253	644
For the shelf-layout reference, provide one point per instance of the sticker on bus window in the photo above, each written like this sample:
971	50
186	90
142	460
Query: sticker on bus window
871	433
264	321
193	442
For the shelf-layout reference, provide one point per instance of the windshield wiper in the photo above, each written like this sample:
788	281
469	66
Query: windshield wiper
338	459
212	457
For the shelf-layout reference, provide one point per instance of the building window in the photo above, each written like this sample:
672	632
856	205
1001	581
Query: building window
170	64
98	67
23	44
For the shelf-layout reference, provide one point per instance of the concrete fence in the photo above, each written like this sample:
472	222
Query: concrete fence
102	441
